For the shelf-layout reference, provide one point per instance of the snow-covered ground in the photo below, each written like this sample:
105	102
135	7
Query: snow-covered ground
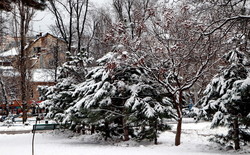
19	126
194	142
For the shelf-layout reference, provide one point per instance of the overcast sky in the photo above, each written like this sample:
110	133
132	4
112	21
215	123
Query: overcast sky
44	19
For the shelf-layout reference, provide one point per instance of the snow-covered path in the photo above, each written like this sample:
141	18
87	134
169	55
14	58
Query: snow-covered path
53	144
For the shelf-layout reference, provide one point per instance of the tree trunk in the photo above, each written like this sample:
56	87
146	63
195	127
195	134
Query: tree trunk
56	59
83	129
178	132
126	134
236	134
92	129
125	130
23	61
80	31
5	96
179	123
25	107
107	131
155	134
70	27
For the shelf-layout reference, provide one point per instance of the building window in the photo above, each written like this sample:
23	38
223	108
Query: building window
37	49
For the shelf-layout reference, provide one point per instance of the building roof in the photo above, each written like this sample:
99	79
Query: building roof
43	75
40	37
15	51
10	73
12	52
6	67
38	75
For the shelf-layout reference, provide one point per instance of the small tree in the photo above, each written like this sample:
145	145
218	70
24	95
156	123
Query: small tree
226	99
57	99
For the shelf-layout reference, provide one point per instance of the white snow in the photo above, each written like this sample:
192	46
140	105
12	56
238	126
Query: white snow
38	75
10	73
6	68
106	58
18	127
245	82
11	52
194	142
43	75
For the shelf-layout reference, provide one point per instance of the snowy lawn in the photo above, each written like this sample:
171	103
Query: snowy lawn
19	126
194	142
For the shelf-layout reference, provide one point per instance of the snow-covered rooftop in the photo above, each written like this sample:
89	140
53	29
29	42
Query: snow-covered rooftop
38	75
38	38
6	67
10	73
11	52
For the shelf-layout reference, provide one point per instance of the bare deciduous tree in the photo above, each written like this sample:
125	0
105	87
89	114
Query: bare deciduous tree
3	27
26	15
171	46
76	12
185	55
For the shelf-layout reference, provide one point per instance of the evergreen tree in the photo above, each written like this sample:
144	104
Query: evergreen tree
227	97
57	99
117	99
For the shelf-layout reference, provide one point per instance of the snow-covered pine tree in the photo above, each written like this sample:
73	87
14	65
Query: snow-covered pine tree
227	97
119	100
75	67
58	98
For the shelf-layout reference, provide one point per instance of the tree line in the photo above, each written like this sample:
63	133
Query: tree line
155	58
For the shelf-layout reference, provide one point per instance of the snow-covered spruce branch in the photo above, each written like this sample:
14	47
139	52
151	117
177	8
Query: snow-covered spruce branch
110	111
